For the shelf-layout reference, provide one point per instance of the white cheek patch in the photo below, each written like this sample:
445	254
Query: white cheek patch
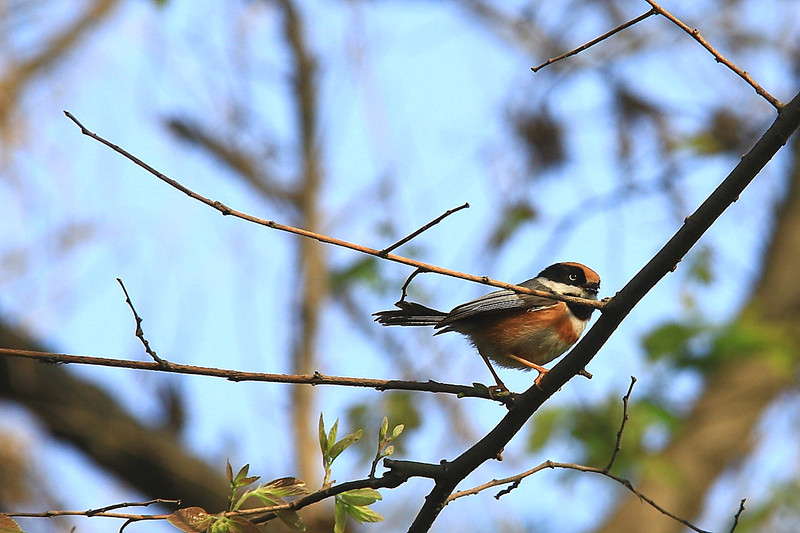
567	290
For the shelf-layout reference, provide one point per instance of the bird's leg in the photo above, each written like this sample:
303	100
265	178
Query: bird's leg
539	368
500	387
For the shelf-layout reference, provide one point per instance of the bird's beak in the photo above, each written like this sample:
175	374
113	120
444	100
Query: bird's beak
591	288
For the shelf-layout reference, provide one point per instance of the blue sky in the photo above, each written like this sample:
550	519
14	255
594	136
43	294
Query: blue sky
414	96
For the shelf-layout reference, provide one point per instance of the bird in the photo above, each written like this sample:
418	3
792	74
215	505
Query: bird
514	330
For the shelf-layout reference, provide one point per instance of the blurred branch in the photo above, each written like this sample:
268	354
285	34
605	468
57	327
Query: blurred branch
241	163
228	211
238	375
18	74
150	459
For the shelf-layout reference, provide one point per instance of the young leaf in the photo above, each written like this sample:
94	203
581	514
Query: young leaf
292	520
239	524
360	497
332	434
388	451
229	471
9	525
398	429
363	514
339	516
323	437
191	519
342	445
286	486
383	430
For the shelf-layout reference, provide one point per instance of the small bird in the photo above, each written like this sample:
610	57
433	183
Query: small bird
514	330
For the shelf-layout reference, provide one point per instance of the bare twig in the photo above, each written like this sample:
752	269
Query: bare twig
139	330
423	228
737	515
228	211
237	375
107	508
597	40
570	466
625	417
695	34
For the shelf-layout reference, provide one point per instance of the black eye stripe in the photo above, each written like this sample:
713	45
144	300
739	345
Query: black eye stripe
563	273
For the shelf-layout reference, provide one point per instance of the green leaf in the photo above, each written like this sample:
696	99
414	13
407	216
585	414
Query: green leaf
388	451
670	340
291	519
323	438
398	429
545	424
358	497
191	519
383	430
339	516
9	525
239	524
363	514
286	486
342	445
332	435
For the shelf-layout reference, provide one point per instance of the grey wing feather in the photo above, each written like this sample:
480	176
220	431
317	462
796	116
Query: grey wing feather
498	301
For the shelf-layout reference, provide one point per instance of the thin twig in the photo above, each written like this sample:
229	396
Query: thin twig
228	211
238	375
404	288
107	508
625	417
139	330
737	515
569	466
426	227
597	40
695	34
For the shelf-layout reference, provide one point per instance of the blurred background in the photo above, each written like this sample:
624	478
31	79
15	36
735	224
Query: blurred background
364	120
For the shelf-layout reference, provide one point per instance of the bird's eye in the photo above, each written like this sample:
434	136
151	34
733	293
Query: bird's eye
573	277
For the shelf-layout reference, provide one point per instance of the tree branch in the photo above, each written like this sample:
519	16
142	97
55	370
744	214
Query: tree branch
237	375
225	210
664	262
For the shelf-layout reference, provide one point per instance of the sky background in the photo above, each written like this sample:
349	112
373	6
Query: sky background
415	99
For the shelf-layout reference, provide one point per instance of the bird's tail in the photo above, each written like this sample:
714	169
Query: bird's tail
409	314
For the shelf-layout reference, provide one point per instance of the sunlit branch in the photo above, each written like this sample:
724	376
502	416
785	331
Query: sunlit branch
225	210
476	391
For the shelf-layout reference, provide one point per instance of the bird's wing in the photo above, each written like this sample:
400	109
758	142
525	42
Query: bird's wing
499	301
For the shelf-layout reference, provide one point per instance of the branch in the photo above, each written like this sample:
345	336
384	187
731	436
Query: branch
426	227
228	211
597	40
615	311
625	417
139	330
695	34
238	375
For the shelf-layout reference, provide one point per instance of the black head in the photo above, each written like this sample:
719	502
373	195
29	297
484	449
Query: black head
567	275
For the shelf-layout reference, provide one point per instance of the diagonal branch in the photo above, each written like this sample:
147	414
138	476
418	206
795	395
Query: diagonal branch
666	260
228	211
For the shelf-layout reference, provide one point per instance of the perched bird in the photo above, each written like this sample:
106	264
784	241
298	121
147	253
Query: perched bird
514	330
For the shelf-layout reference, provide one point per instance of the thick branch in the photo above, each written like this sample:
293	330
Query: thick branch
665	261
